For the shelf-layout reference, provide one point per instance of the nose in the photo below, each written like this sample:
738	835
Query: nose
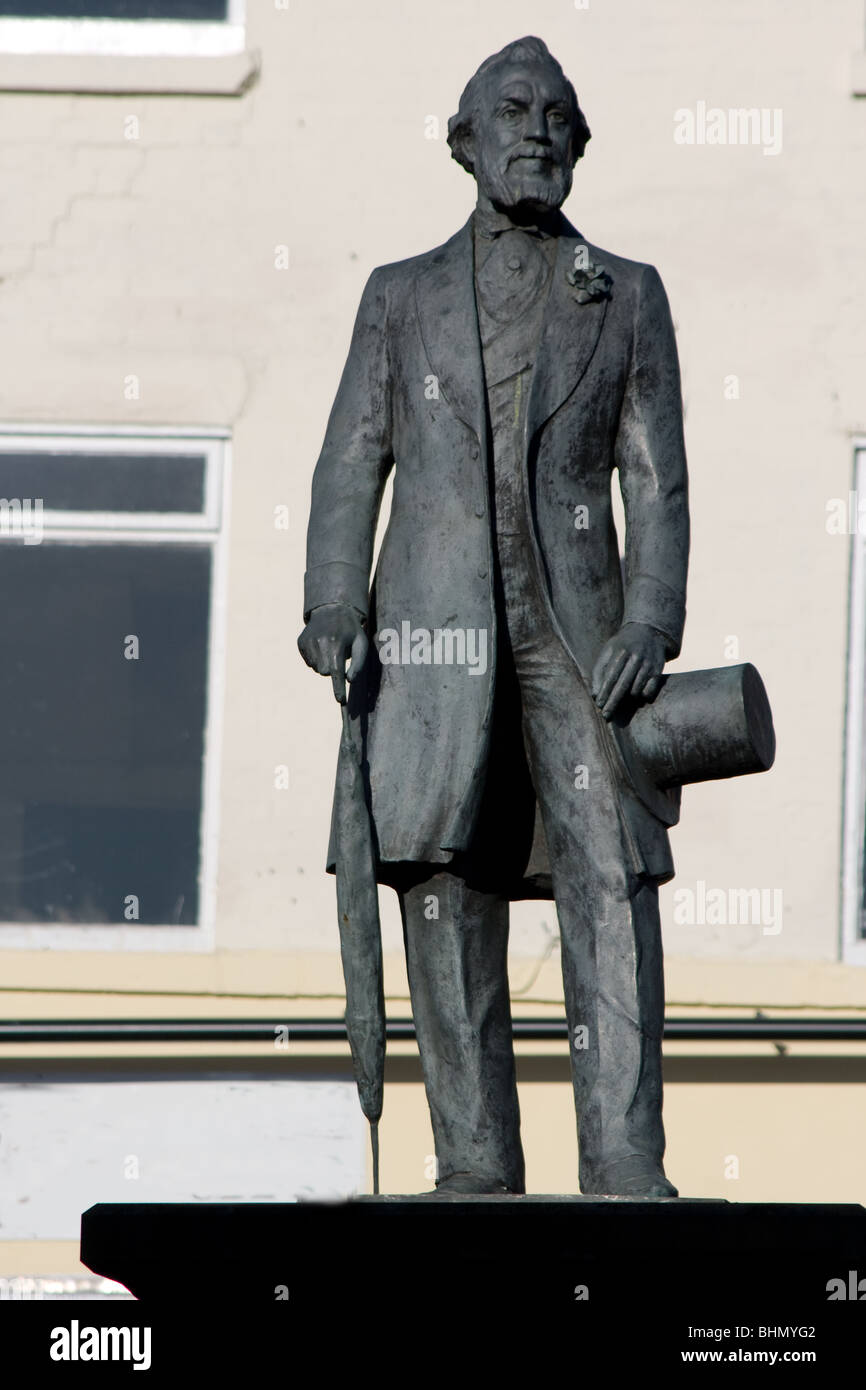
536	125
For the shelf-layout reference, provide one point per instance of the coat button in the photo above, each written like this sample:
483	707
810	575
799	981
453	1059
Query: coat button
482	571
474	451
479	511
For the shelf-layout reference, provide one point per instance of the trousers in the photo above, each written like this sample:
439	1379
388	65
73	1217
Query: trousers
546	727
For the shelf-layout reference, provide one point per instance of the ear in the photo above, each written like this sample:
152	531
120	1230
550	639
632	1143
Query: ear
463	150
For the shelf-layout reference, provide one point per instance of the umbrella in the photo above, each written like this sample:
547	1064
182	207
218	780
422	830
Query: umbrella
360	936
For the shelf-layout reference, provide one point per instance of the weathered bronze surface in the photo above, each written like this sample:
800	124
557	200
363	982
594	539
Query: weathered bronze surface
510	731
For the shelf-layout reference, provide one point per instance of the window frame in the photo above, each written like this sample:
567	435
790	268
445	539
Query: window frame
209	529
854	804
137	443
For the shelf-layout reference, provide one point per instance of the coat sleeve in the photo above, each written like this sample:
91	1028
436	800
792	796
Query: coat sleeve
650	455
352	468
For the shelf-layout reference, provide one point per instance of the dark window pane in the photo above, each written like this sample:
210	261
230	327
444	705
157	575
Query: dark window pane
101	759
115	9
79	482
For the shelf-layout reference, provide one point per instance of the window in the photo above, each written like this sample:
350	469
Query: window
110	559
854	823
146	27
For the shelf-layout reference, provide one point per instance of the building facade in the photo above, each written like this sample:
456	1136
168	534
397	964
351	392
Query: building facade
195	194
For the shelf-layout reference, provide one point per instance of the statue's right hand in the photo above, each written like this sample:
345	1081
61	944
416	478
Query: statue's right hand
334	633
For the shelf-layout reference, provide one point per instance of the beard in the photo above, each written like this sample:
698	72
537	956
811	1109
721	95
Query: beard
523	184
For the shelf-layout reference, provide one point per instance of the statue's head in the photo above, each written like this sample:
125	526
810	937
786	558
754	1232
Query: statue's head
519	130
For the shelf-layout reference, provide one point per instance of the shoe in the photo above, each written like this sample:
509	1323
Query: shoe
469	1185
631	1177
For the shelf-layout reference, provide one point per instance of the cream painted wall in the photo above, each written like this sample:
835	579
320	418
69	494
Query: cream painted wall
155	256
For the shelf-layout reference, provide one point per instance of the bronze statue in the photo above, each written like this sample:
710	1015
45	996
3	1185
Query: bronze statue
509	727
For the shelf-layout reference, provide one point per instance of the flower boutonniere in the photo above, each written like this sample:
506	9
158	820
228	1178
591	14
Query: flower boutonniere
591	281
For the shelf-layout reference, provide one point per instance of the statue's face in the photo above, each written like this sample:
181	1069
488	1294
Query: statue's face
521	138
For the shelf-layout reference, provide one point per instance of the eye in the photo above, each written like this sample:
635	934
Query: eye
558	118
509	113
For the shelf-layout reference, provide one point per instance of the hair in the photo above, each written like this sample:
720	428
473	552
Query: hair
521	50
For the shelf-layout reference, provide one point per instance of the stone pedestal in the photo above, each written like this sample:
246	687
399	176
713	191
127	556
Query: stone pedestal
683	1262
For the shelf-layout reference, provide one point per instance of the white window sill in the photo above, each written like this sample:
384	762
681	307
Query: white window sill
136	37
225	74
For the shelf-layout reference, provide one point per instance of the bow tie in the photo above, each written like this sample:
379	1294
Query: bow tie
492	224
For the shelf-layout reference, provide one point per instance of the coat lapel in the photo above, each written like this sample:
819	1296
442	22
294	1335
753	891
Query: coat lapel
569	335
445	298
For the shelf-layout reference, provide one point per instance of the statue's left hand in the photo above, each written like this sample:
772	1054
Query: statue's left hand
631	662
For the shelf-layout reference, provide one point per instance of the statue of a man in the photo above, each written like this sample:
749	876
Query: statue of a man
504	376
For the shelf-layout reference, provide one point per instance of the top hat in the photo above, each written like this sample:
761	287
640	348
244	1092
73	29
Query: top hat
700	726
